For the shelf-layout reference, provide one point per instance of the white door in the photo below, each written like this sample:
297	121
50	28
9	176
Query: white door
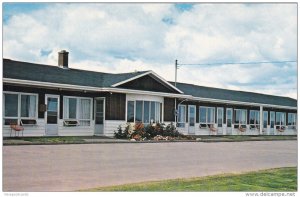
191	119
99	116
51	115
220	116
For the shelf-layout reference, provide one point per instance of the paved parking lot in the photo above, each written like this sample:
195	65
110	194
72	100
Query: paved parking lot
81	166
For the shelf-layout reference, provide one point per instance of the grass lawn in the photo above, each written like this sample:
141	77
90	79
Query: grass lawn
280	179
56	139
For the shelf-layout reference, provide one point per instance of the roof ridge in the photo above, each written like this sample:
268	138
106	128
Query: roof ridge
54	66
242	91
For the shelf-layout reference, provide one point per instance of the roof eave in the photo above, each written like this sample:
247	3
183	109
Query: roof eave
122	90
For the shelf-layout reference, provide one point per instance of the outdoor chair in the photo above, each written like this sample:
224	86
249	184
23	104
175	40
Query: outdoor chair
212	128
16	128
281	129
241	129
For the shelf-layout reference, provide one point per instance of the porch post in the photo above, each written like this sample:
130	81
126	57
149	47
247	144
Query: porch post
261	120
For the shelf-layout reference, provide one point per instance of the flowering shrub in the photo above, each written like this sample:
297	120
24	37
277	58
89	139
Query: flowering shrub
139	131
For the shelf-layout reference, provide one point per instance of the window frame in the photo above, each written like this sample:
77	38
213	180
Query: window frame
78	98
239	123
181	124
231	110
133	111
19	117
263	119
256	123
157	113
280	125
206	123
272	119
294	120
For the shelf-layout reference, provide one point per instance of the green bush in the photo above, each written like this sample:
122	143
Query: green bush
120	134
170	130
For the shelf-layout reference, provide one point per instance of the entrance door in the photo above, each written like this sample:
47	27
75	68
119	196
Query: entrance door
99	116
192	119
220	116
51	116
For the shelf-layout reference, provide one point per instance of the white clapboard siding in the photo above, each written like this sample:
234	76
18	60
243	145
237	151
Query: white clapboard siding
202	131
75	131
110	126
36	130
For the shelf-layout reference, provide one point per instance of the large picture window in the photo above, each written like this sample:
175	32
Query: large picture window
77	108
143	111
240	117
19	106
181	116
207	115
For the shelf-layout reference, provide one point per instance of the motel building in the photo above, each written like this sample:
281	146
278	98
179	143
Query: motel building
61	101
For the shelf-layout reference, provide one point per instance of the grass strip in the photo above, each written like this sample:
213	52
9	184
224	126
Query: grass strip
279	179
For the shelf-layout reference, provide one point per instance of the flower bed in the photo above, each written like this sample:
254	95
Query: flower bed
141	132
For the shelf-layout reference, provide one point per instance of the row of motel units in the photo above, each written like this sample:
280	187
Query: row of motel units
58	100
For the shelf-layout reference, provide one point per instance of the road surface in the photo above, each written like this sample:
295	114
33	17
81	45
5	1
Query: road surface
82	166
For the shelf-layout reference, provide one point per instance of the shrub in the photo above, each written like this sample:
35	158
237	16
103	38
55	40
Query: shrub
141	132
120	134
124	134
171	130
154	129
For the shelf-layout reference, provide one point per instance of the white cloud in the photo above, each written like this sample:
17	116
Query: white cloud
128	37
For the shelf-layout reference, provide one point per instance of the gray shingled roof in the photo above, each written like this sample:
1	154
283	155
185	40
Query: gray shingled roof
223	94
45	73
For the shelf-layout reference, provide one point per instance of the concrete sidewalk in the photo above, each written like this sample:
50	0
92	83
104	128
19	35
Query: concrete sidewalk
105	140
81	166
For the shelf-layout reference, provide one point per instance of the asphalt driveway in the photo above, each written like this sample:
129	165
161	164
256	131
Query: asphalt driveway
81	166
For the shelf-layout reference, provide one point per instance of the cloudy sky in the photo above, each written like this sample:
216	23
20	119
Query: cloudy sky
128	37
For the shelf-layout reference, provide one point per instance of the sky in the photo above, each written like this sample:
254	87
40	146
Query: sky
126	37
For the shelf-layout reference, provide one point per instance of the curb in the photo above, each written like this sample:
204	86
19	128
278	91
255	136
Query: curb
136	142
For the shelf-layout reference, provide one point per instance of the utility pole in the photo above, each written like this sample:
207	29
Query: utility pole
176	67
175	111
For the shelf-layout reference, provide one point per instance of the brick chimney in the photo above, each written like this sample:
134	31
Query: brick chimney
63	58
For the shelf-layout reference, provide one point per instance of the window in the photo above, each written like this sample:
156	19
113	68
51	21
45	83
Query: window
181	115
84	112
220	112
265	118
254	119
145	111
19	106
139	111
280	119
291	120
11	105
130	111
240	117
272	119
76	108
207	115
229	117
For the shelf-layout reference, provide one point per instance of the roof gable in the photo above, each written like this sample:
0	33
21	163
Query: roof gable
148	81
